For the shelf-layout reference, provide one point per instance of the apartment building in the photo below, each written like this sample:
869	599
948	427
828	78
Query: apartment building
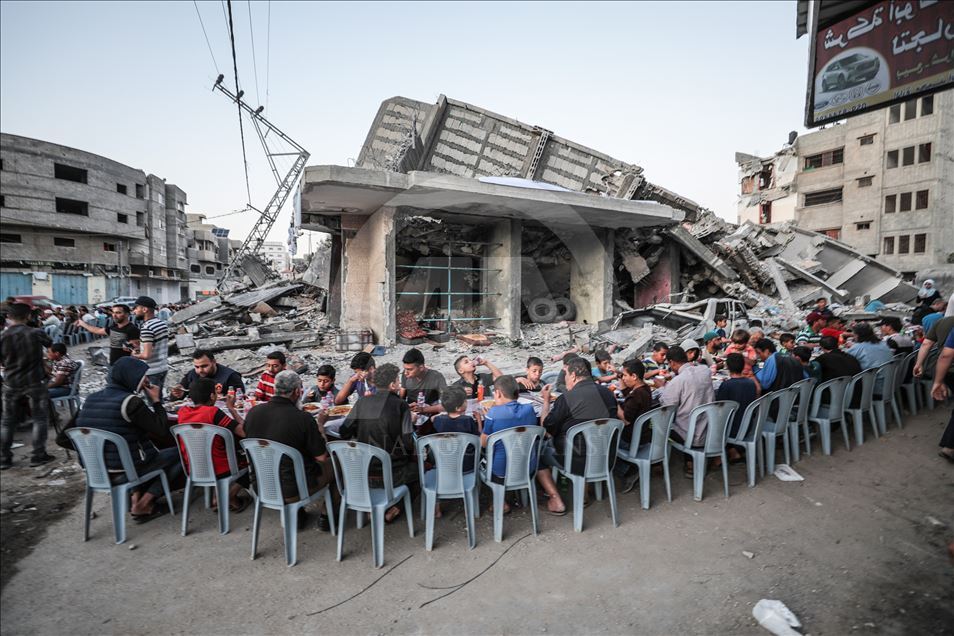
882	182
276	253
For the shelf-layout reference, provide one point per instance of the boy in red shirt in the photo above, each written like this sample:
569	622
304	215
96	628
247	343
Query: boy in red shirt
204	411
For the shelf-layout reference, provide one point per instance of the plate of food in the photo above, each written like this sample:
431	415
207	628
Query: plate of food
311	407
339	411
487	404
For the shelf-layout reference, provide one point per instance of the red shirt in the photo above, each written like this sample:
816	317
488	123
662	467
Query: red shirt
266	388
209	415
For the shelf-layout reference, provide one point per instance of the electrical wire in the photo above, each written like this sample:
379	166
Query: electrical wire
238	91
251	34
268	51
207	43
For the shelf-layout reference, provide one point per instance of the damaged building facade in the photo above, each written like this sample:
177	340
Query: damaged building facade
881	182
458	220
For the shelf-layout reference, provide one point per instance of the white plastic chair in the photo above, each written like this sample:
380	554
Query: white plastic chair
800	416
645	455
520	445
779	425
602	439
865	383
352	462
198	440
72	401
888	372
749	436
266	458
718	416
90	445
826	413
448	480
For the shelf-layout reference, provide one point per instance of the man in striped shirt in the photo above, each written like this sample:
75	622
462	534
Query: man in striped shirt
274	364
810	335
153	341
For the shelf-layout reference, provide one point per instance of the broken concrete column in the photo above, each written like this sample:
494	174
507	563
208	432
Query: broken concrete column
663	279
591	274
504	255
367	290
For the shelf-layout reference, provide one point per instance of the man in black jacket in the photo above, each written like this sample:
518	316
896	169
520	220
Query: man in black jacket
205	366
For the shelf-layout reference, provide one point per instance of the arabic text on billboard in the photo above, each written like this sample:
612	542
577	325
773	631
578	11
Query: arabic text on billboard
888	52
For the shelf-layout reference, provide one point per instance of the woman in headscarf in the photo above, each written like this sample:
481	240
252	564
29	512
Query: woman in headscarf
926	296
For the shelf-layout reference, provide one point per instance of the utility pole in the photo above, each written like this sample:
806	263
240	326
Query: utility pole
267	216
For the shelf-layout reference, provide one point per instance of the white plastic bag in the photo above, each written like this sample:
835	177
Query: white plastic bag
787	473
776	617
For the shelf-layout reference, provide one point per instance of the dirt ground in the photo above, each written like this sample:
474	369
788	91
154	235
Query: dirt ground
858	546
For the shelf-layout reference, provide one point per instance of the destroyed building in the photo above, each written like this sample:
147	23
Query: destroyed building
457	220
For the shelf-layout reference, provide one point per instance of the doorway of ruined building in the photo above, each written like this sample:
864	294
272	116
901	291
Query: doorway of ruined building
441	278
544	276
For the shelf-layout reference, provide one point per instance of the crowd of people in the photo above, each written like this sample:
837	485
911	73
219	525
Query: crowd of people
391	404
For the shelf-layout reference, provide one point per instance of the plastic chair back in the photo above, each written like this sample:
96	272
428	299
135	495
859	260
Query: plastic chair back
77	378
804	398
352	464
449	451
266	456
867	381
785	401
904	371
520	444
888	372
198	440
660	419
753	419
717	416
601	438
836	389
90	445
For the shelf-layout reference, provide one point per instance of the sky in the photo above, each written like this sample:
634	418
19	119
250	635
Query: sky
674	87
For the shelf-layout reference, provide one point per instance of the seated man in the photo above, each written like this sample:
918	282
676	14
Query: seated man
604	372
324	385
584	400
692	349
778	371
470	380
64	368
280	420
419	381
691	387
811	333
891	333
506	413
835	363
204	366
118	409
711	348
530	382
204	411
637	399
561	377
275	363
383	419
361	381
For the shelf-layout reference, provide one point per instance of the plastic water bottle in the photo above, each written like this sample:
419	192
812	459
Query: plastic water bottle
420	400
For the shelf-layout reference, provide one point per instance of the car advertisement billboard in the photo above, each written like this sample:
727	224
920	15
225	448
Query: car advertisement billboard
890	52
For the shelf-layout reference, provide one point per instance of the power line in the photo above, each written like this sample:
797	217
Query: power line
268	51
238	92
251	34
207	43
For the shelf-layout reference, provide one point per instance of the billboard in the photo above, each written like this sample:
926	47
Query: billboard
890	52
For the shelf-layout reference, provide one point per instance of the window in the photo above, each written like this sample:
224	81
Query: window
892	159
140	191
907	156
834	233
195	269
70	206
3	201
109	247
829	158
894	115
863	226
867	140
121	189
890	203
10	238
140	219
927	105
924	153
122	218
904	202
822	197
904	244
910	109
864	182
765	212
209	269
920	243
63	242
921	200
888	245
69	173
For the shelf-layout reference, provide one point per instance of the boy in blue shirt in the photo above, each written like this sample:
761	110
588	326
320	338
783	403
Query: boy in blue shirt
455	420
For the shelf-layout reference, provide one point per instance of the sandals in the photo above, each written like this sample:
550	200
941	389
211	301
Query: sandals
242	504
157	511
394	517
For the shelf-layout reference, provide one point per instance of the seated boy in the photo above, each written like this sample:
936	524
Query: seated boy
361	381
470	380
720	322
739	389
204	411
324	385
787	342
531	381
605	372
456	420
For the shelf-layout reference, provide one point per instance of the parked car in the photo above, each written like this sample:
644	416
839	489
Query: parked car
849	71
41	302
129	301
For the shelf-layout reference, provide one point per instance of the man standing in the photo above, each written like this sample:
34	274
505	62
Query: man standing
123	335
419	380
154	338
205	366
691	387
21	356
